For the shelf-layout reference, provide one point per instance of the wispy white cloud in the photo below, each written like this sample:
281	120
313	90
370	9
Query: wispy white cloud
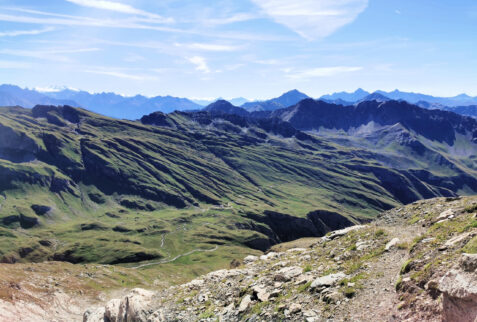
120	7
15	33
45	18
120	74
313	18
321	72
239	17
209	47
200	64
30	16
51	54
8	64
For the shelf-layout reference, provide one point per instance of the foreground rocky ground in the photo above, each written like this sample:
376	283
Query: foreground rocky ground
415	263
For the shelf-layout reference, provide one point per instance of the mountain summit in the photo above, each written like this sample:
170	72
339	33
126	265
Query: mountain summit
285	100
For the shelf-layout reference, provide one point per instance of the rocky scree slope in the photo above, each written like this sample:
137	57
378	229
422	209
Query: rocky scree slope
414	263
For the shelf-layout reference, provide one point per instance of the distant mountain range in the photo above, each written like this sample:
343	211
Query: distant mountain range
109	104
118	106
238	101
114	105
360	94
288	99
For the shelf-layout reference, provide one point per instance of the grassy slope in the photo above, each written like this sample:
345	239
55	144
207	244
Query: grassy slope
112	171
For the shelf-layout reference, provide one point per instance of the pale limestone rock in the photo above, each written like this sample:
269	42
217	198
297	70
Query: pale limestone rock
133	307
290	272
459	288
294	308
94	315
245	303
250	259
112	310
392	243
328	280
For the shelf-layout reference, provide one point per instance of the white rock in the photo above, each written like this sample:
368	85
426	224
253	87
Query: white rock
250	259
245	303
261	293
94	315
453	241
195	284
328	280
392	243
341	232
294	308
291	272
459	300
362	245
112	310
303	279
270	255
133	307
294	250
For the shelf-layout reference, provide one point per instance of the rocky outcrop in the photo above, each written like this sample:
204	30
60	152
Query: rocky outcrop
16	146
459	288
157	119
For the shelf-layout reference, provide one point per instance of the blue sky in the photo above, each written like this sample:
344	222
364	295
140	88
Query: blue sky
229	48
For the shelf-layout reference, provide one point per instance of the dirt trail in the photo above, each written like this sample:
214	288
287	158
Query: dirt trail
177	257
378	299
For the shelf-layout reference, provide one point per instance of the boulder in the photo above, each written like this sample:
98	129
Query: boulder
245	303
327	281
294	308
445	215
341	232
250	259
459	288
261	293
290	272
468	262
133	307
94	315
392	243
112	310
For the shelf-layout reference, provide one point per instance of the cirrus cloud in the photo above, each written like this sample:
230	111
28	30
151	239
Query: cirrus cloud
321	72
119	7
313	19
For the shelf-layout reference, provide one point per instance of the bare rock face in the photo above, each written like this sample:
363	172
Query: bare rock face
459	288
94	315
132	308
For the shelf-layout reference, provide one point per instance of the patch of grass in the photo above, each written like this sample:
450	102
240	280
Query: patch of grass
403	246
406	267
307	269
206	315
349	292
471	247
304	287
380	233
398	283
257	308
415	242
